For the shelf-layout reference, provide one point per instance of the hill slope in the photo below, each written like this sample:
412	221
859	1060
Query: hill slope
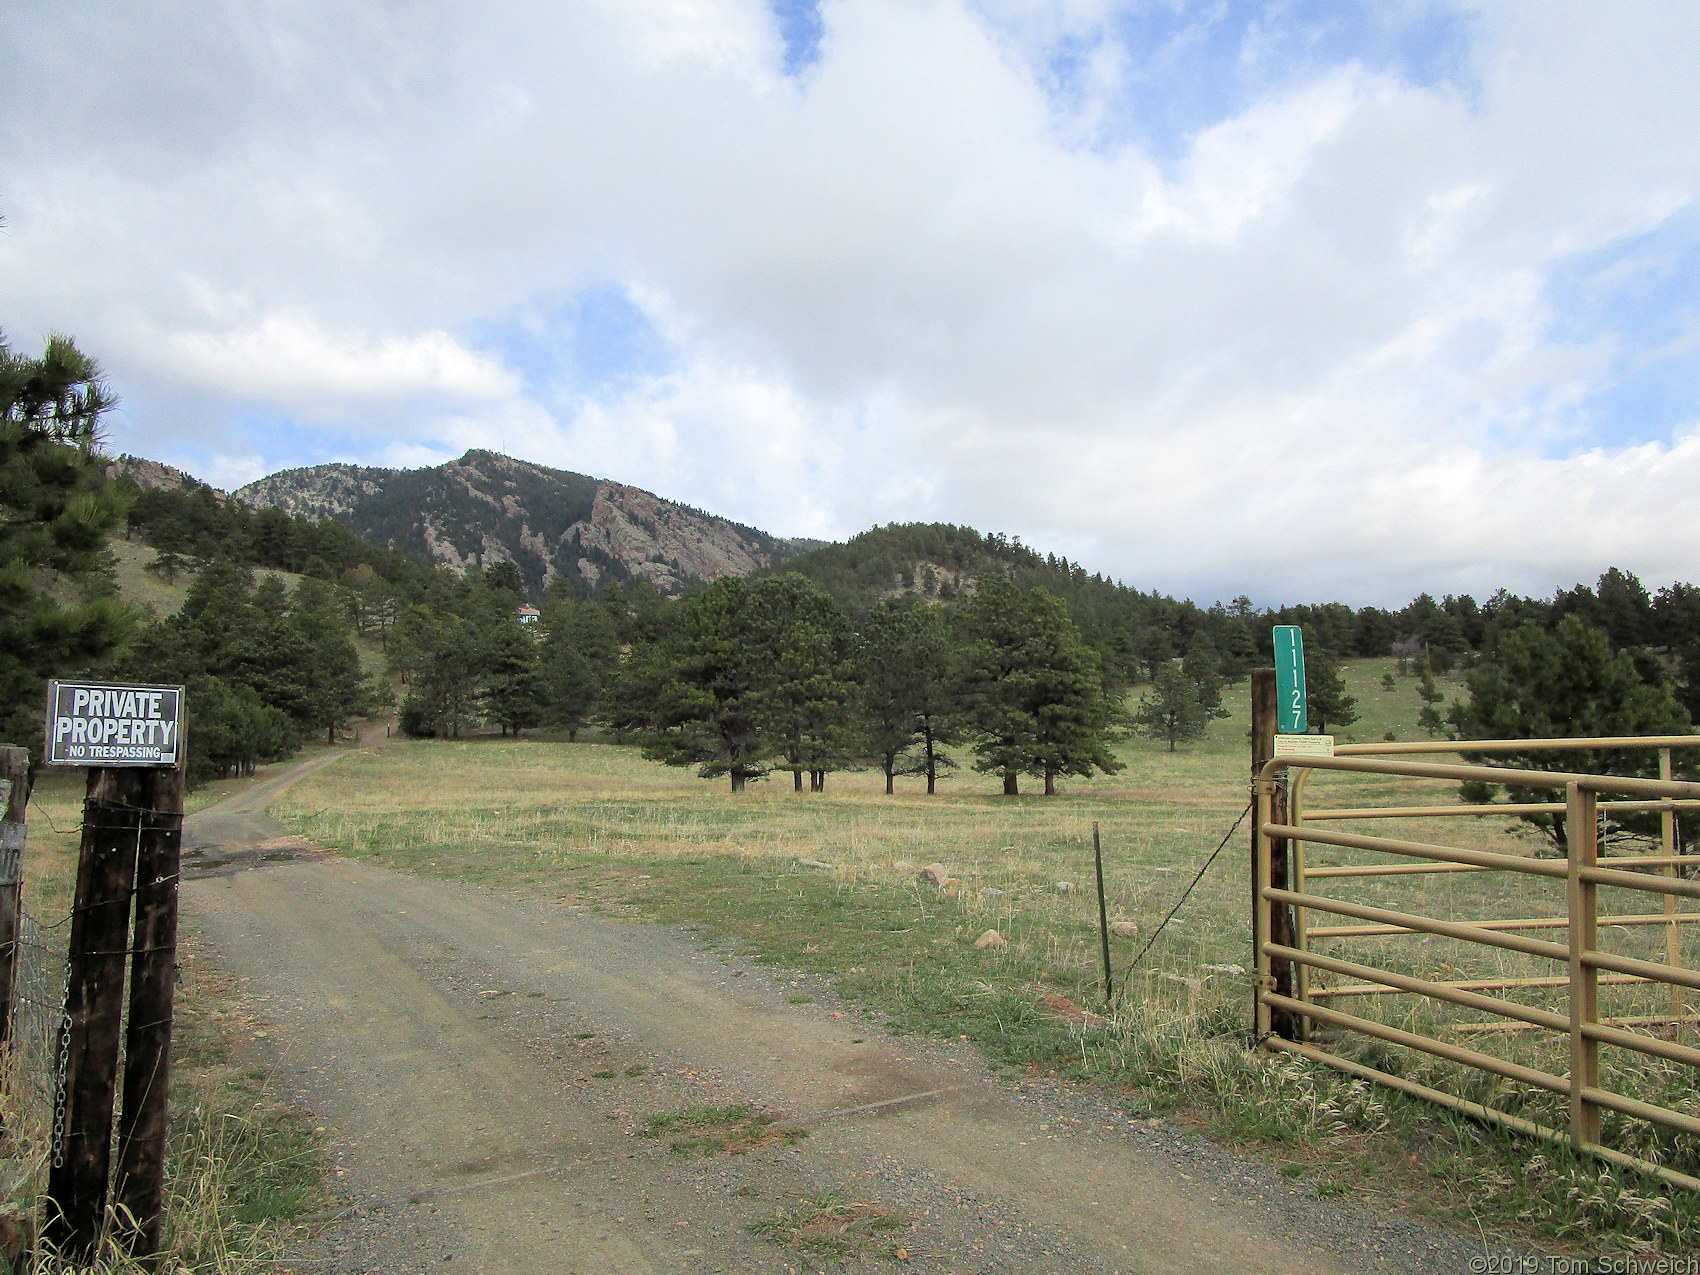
944	563
551	523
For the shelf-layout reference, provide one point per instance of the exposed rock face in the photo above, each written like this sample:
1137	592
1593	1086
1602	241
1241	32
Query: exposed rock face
152	475
486	508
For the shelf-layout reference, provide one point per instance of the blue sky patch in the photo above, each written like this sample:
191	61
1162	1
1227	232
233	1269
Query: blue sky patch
801	27
1189	66
595	345
1642	297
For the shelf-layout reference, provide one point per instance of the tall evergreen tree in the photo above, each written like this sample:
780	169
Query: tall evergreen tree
579	658
437	654
1172	711
707	711
1202	666
906	688
1325	689
1428	717
335	689
1566	682
808	688
511	687
1032	689
56	509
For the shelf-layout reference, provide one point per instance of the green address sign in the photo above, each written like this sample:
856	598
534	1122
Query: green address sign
1290	718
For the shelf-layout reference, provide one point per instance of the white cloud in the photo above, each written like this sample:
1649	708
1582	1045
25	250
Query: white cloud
903	286
1239	170
289	359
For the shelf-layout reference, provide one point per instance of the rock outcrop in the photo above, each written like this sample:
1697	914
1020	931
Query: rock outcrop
486	508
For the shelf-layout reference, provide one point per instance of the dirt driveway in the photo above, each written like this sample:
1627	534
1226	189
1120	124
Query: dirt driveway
483	1063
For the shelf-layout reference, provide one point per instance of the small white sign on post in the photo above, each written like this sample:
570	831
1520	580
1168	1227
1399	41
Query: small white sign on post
1304	745
113	724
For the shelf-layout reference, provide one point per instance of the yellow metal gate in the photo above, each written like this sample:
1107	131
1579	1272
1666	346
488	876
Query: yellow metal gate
1388	939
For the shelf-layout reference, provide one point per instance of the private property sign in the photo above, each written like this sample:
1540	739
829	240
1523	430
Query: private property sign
113	724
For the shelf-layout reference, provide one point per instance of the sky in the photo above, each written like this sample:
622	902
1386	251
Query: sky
1295	299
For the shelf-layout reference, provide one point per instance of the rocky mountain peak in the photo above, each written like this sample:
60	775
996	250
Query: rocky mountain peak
552	523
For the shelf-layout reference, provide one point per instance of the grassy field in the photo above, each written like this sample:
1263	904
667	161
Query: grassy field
241	1166
596	824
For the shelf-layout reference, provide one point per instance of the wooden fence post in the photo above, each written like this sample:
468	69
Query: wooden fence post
15	780
94	1004
140	1180
1263	717
1262	749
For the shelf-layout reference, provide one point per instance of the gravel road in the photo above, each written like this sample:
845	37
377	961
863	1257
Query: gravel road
482	1063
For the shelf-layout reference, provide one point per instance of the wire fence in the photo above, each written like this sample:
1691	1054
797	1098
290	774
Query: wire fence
35	1065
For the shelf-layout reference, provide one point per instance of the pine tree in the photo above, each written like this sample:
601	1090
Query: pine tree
1428	717
579	656
437	654
1325	689
335	689
1566	682
56	509
1032	689
511	683
1173	711
1202	667
707	687
808	692
906	688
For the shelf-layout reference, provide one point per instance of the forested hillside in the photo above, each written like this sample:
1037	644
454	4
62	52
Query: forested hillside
913	648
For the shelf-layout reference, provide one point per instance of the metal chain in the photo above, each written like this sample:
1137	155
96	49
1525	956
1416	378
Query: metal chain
64	1065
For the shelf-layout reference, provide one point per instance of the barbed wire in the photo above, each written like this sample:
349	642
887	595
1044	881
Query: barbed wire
1226	837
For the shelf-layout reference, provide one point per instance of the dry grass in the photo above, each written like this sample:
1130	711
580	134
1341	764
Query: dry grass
595	823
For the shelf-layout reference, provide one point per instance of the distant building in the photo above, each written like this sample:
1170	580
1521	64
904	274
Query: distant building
526	615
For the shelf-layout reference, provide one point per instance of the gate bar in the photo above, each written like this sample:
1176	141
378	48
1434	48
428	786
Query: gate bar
1685	790
1642	881
1480	984
1428	1045
1439	991
1486	808
1650	970
1423	850
1521	923
1608	1034
1446	929
1569	743
1492	1114
1666	862
1640	1110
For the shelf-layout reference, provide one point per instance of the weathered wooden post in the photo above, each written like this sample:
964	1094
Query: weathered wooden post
15	784
94	1005
1263	720
1262	749
140	1180
129	737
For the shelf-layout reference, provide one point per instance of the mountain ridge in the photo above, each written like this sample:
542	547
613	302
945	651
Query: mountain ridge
553	524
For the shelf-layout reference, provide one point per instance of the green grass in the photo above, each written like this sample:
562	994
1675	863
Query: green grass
594	825
832	1227
727	1130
